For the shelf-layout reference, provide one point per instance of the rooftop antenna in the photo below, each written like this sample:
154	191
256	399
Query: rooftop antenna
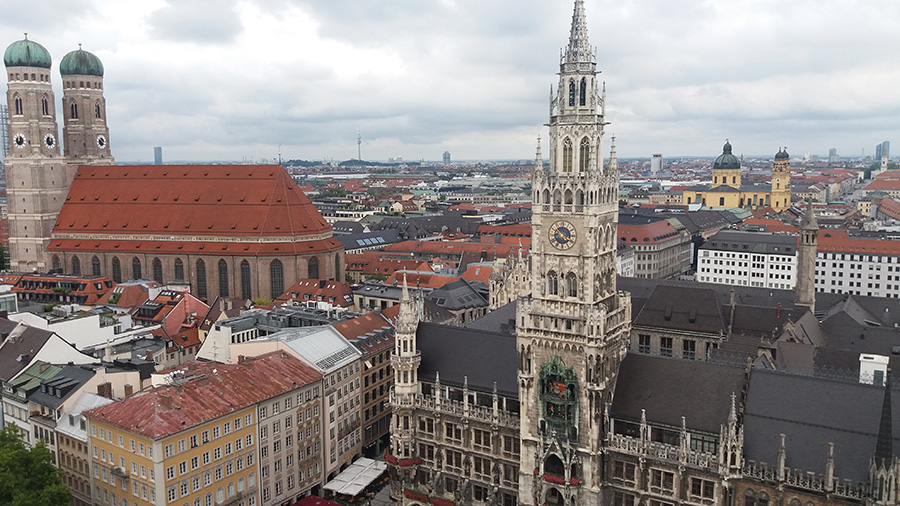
279	153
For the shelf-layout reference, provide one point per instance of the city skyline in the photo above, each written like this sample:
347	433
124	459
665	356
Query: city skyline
471	77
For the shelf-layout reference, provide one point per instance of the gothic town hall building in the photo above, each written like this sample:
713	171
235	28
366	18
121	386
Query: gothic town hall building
665	394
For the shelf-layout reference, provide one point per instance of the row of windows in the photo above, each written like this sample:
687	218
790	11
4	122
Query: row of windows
45	78
276	273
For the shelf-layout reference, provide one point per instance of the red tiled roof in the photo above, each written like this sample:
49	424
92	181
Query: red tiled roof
10	279
368	262
207	391
336	293
654	231
837	240
421	279
456	248
890	207
131	294
516	230
359	327
884	184
480	273
215	201
91	288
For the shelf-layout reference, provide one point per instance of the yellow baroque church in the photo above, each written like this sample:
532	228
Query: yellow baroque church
727	190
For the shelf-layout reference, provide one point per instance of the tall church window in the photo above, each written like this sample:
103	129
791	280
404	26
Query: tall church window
201	279
567	155
276	278
76	266
223	278
45	106
157	271
571	93
95	266
56	263
73	110
337	267
97	110
245	280
313	268
552	283
584	154
572	284
179	270
117	270
17	102
136	268
582	94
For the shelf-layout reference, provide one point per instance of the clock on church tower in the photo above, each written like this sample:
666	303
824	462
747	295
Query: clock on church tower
572	330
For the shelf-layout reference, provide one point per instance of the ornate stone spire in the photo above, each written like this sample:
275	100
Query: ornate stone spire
407	319
538	158
579	49
613	165
808	222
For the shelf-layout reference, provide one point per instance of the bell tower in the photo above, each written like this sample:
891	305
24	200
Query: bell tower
572	331
781	181
85	132
35	171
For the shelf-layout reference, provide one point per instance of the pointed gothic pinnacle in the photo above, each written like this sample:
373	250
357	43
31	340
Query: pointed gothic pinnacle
405	294
538	158
613	165
579	49
732	413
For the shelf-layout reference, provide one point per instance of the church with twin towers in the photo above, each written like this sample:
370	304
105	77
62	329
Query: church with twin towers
38	174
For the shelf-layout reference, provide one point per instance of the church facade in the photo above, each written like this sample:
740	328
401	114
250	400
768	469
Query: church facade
727	189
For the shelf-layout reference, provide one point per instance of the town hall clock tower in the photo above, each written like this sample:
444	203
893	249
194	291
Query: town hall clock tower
572	330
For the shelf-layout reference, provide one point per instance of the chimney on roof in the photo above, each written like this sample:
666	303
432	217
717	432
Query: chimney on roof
165	400
242	359
129	390
228	304
105	390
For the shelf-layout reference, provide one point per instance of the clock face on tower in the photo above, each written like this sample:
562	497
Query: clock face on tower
49	140
101	141
562	235
19	140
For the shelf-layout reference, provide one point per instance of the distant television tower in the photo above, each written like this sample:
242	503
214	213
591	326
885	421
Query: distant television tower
358	145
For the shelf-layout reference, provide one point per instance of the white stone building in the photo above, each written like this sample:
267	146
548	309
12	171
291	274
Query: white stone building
760	259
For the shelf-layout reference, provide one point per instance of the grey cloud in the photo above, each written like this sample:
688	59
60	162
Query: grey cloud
196	21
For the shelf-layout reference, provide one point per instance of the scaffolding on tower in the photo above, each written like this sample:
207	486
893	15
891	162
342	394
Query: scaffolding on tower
4	132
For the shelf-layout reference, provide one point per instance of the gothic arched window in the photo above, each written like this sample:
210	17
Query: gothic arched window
582	94
223	278
45	106
312	268
95	266
245	280
73	110
179	270
749	498
136	268
56	263
17	103
572	284
201	279
157	270
276	278
552	283
97	110
567	155
571	93
584	155
117	270
76	266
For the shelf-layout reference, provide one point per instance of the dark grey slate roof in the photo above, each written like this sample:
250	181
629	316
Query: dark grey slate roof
376	239
18	347
459	352
669	389
693	308
811	412
501	320
458	294
57	389
752	242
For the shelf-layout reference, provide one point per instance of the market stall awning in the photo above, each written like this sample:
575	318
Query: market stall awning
353	480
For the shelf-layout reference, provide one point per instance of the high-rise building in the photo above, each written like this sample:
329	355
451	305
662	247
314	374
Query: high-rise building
157	155
656	162
833	157
446	157
883	149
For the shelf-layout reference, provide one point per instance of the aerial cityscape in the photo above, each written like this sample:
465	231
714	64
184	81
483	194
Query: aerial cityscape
322	255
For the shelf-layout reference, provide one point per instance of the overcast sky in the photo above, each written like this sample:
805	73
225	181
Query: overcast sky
233	80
